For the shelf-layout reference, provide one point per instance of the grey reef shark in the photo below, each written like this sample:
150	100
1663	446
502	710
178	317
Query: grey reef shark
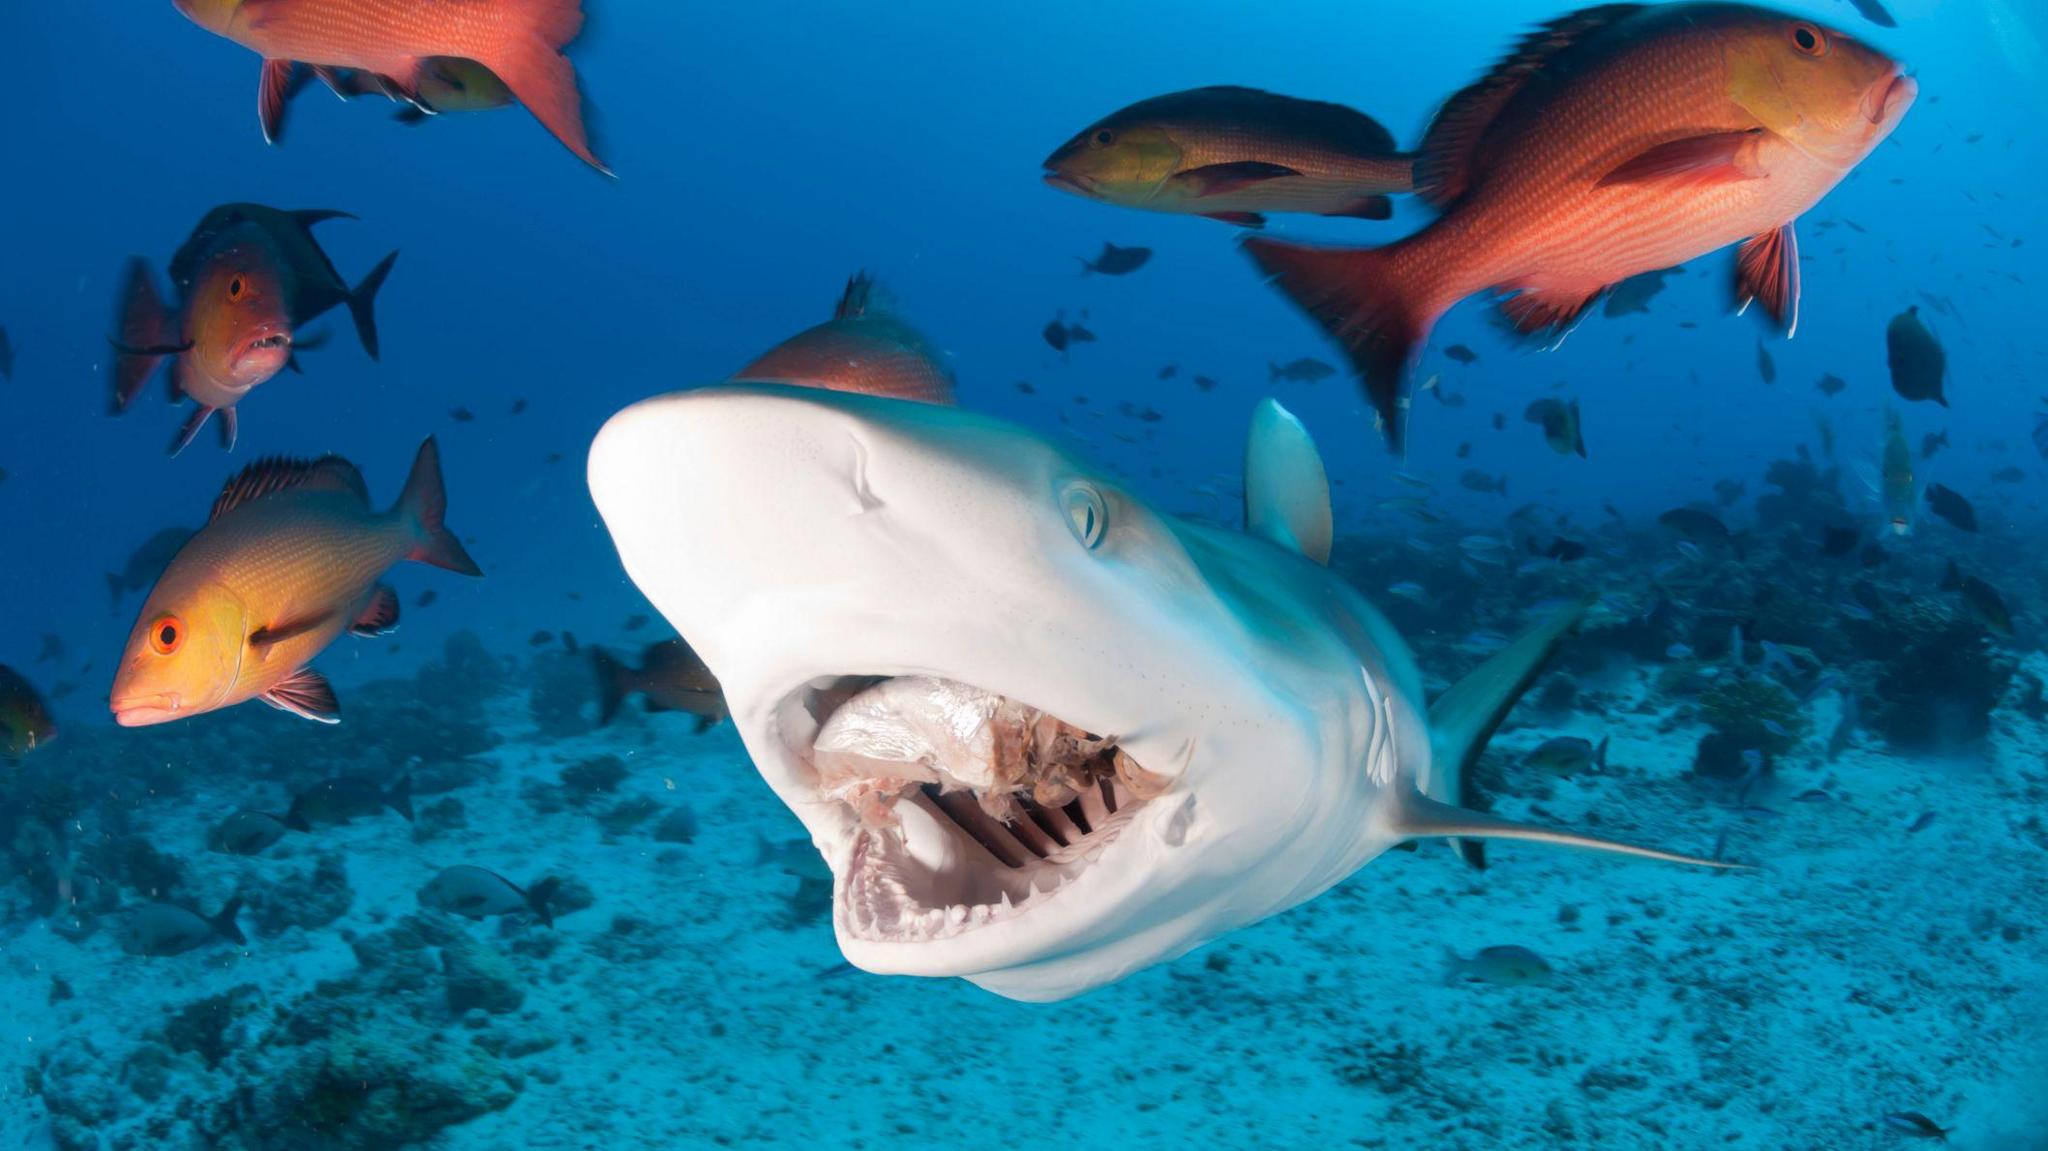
1044	735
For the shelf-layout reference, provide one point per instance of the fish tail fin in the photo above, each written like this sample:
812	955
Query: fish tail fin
1600	753
541	78
1359	298
611	684
1272	372
540	895
224	922
145	333
764	851
425	503
1454	966
362	302
115	586
1467	714
399	798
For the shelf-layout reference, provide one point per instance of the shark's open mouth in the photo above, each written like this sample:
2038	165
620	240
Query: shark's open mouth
972	808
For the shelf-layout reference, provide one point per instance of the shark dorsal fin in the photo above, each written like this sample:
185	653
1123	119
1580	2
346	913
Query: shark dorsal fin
1286	490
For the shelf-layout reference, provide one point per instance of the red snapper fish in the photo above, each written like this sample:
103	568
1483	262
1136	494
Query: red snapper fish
1617	140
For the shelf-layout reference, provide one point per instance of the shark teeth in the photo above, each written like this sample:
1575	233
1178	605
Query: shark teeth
888	894
969	809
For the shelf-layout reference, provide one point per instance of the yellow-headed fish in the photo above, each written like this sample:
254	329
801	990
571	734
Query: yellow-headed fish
289	559
445	84
862	348
1234	154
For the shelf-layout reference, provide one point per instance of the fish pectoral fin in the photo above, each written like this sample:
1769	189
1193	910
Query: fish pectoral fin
1767	274
152	350
270	635
1548	315
1417	816
308	695
230	429
190	431
272	91
1217	179
1712	158
379	616
1367	208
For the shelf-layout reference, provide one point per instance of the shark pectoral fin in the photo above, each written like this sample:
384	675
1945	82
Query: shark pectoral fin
1286	490
1467	714
1420	817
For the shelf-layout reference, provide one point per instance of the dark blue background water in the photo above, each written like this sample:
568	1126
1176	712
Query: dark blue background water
766	151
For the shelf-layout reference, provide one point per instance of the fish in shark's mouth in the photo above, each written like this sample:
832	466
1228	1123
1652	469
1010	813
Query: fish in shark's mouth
973	808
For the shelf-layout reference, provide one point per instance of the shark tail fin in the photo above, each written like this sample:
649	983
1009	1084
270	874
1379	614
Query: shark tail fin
1286	490
1467	714
1420	817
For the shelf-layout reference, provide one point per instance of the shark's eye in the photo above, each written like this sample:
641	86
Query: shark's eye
166	634
1087	515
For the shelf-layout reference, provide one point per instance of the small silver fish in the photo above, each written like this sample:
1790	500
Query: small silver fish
475	892
1916	1125
247	832
1568	755
161	929
1411	591
1508	965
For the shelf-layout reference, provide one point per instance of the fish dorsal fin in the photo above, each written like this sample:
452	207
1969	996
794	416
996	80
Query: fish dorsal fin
279	473
860	296
1286	490
1450	148
1467	714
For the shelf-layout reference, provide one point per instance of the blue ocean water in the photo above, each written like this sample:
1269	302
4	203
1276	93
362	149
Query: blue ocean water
1875	963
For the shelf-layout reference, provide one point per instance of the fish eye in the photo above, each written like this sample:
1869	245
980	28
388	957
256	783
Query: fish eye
1809	40
235	288
1087	515
166	634
1104	138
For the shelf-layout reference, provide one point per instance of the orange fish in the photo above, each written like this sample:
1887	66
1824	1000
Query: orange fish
248	278
1614	141
289	559
862	348
518	42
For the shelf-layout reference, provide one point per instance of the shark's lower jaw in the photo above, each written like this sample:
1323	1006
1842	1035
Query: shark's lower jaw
965	809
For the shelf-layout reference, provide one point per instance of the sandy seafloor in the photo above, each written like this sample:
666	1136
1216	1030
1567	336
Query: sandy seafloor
1860	969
